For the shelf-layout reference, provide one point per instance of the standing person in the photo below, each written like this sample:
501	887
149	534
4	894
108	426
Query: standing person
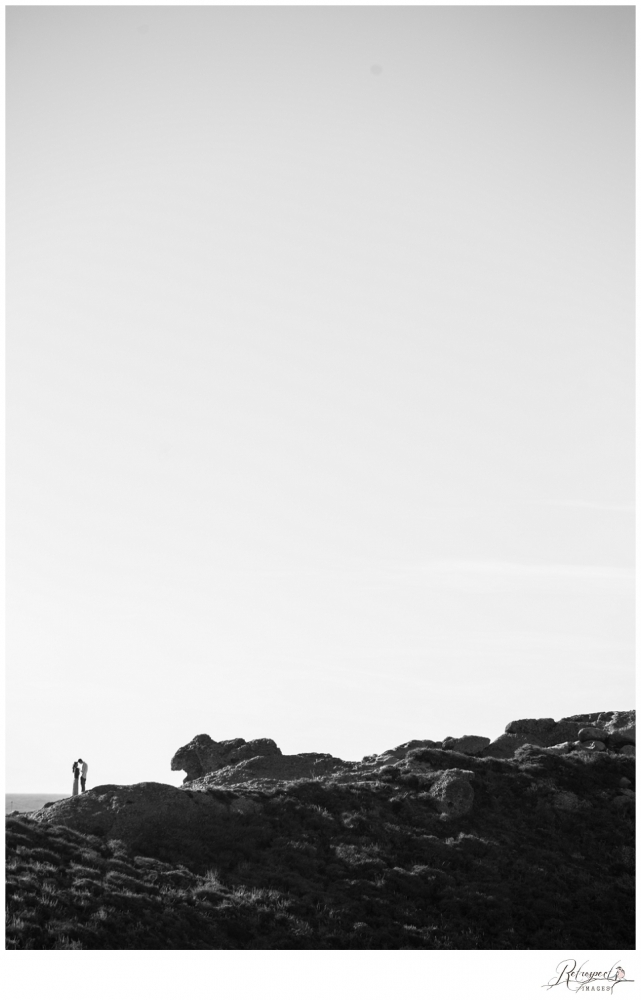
83	773
76	775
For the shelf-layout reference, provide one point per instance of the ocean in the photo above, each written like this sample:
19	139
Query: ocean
28	801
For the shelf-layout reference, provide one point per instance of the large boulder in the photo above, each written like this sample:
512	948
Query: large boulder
452	792
202	755
564	730
591	733
538	728
210	764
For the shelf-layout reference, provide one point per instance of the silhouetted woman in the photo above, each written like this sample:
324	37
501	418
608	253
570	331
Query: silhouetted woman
76	775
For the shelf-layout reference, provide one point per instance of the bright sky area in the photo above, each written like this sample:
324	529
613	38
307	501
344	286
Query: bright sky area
320	377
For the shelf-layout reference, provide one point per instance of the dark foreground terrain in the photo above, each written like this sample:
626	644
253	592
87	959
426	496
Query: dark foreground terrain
438	849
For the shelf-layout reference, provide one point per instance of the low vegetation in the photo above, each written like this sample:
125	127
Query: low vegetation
372	864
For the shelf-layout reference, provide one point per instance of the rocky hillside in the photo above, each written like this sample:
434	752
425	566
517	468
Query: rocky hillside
524	842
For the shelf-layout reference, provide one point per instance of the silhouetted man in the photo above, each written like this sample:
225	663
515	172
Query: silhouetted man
83	773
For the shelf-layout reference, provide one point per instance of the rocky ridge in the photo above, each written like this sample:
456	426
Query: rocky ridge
231	777
459	843
229	762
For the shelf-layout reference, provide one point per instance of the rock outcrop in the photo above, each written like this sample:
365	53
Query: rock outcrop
612	730
231	777
145	810
237	760
420	847
202	755
620	728
508	853
209	763
453	793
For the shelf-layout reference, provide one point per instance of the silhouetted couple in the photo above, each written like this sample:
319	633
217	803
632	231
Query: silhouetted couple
79	772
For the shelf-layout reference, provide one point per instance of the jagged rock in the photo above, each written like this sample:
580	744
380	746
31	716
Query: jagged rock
210	764
452	792
621	728
591	733
203	755
466	744
629	750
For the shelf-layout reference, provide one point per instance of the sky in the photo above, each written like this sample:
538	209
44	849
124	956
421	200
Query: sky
320	389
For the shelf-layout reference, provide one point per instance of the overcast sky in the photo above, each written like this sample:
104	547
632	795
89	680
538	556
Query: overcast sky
320	377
